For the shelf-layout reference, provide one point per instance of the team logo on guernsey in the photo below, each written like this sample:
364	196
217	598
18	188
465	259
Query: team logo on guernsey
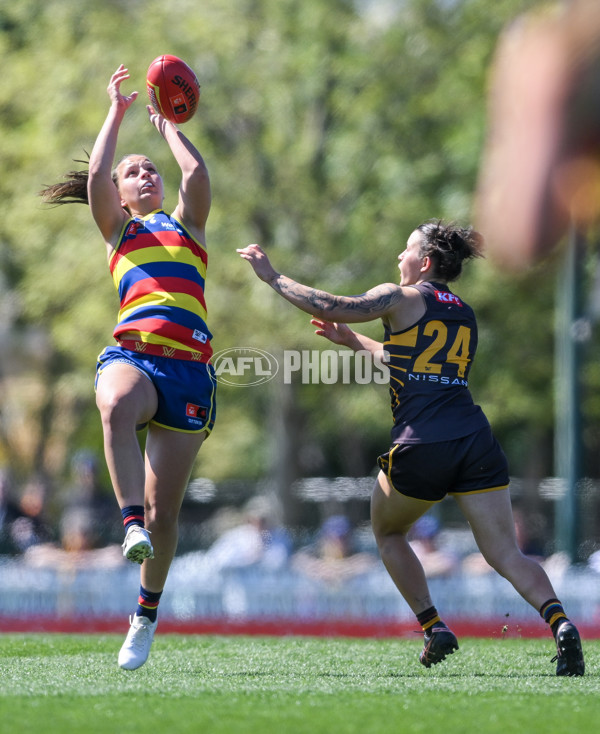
195	411
134	228
447	297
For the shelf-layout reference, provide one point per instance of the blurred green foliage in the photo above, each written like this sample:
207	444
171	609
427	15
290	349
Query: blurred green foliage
331	129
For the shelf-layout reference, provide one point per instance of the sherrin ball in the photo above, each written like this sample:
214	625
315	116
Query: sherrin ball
173	88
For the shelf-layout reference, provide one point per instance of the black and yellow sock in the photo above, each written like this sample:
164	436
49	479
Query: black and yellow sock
428	619
148	604
553	613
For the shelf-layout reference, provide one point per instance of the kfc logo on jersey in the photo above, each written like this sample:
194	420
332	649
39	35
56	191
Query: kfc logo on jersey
447	297
195	411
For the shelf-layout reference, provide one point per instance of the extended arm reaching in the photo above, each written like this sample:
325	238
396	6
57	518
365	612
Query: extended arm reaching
194	191
373	304
103	196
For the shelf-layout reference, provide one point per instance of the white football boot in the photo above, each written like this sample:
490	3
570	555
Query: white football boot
137	546
136	648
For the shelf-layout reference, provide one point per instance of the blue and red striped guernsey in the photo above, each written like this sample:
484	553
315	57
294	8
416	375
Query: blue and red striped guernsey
159	271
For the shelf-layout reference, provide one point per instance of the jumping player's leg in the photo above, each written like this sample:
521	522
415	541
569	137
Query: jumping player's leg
170	457
126	398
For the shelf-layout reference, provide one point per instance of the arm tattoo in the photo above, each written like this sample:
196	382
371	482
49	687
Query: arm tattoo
371	304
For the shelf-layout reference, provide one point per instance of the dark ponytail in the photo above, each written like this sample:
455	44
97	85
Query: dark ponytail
449	245
73	190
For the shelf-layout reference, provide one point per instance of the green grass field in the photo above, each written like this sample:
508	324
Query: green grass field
211	685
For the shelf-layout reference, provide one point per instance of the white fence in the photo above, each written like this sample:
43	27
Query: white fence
255	593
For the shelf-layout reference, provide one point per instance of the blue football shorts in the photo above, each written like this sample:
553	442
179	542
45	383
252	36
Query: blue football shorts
429	471
186	390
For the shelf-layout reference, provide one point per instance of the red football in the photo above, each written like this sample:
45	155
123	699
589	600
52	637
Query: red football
173	88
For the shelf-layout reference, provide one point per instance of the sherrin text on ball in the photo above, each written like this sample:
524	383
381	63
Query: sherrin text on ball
173	88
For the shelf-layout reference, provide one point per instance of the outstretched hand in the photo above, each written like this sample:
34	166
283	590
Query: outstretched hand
256	256
335	332
121	101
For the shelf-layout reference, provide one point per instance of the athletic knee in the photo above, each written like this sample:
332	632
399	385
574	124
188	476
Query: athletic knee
389	543
119	411
161	521
112	406
123	404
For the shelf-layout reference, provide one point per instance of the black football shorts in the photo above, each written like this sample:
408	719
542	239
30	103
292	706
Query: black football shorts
430	471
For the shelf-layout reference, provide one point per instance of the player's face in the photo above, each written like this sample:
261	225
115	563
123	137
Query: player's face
140	184
410	263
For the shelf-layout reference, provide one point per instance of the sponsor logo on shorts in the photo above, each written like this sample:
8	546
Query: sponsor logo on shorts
195	411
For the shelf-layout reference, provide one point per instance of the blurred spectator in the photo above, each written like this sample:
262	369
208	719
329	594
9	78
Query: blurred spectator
27	525
332	558
256	539
86	492
87	514
79	545
9	512
424	540
594	561
245	539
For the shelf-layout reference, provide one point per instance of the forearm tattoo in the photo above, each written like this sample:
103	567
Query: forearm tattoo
320	303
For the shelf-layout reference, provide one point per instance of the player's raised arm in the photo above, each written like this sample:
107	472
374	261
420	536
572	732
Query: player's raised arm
103	196
194	201
376	303
174	93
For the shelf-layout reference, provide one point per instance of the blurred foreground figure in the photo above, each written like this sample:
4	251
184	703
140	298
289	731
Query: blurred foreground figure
541	165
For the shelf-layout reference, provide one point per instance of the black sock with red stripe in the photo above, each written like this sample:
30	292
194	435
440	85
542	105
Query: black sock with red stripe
428	619
133	515
148	604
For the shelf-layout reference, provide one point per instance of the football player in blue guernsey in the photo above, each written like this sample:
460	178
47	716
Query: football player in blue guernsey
442	441
159	373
